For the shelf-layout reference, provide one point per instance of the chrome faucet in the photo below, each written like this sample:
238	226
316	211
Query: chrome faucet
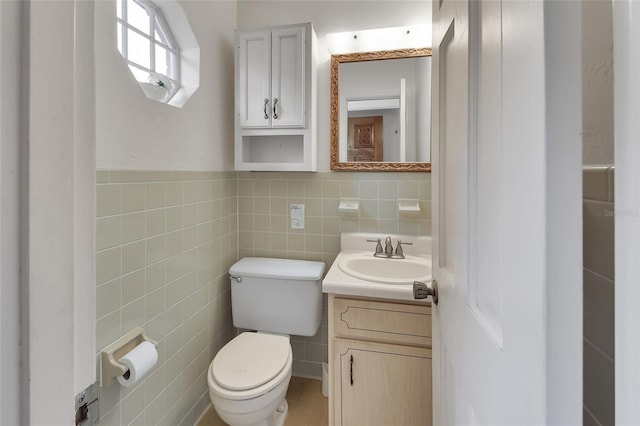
388	248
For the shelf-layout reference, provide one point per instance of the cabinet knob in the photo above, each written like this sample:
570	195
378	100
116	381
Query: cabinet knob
275	104
266	102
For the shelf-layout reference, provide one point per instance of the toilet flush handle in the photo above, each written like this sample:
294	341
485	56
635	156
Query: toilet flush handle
236	278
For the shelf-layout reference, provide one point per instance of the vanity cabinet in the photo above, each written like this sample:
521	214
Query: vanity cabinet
380	362
275	97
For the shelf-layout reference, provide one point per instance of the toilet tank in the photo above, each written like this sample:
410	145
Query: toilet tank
277	295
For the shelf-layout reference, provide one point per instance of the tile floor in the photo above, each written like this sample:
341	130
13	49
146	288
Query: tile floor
307	406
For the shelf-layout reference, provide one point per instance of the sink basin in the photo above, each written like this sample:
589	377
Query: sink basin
387	271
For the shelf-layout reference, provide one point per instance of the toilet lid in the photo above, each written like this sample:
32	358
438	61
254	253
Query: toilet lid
250	360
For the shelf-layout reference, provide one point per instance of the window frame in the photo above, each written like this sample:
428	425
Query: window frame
157	24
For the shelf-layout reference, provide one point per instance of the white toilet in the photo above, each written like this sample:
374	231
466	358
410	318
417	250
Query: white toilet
249	377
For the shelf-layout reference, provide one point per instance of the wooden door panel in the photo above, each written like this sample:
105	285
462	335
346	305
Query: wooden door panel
383	322
382	384
365	140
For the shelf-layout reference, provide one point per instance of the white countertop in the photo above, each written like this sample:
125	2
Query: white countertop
337	282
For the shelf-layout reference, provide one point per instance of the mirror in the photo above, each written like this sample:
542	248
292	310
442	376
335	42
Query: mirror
381	110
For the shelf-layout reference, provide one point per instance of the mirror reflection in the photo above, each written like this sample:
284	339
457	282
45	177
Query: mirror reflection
380	111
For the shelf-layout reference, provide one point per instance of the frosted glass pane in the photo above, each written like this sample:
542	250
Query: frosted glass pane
138	17
119	8
162	60
160	34
141	76
161	31
139	49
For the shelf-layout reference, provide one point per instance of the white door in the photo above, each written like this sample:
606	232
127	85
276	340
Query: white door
492	215
627	205
288	53
254	78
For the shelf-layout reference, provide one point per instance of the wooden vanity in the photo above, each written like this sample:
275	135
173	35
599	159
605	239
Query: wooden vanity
379	362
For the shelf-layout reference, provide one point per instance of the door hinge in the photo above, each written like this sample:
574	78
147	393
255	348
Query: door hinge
87	406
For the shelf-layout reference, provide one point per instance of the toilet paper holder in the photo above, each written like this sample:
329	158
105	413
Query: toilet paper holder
110	368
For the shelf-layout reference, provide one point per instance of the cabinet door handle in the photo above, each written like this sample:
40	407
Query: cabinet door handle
351	370
266	102
275	104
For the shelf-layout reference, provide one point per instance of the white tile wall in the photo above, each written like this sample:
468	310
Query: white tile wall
598	251
165	241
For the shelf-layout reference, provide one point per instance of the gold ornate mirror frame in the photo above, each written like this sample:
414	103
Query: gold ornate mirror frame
336	60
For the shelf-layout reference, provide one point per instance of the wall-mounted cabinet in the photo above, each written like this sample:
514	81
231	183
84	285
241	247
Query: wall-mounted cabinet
275	117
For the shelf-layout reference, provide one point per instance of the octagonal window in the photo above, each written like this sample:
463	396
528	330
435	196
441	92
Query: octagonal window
149	47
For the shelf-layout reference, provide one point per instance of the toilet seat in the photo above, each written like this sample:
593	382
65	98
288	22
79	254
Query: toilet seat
250	365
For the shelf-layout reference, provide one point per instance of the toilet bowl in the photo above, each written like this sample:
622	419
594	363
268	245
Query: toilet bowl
249	376
248	380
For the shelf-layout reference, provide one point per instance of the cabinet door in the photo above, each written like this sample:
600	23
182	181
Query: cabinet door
254	75
287	81
379	384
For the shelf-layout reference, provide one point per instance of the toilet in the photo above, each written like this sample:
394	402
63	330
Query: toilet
274	298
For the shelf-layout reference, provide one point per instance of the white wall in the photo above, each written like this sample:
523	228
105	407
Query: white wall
330	17
423	109
58	203
597	82
362	83
10	372
133	132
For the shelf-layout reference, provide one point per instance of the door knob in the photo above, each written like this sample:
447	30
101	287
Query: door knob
423	290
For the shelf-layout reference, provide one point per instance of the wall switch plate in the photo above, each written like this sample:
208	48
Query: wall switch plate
297	216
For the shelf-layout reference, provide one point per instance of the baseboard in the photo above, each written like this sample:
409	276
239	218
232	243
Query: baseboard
305	376
200	417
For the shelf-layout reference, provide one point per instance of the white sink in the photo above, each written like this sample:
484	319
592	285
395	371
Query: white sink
386	270
356	272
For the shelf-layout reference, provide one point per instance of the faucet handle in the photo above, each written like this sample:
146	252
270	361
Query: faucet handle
399	251
378	246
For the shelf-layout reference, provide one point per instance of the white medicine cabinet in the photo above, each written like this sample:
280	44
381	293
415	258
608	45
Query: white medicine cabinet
275	98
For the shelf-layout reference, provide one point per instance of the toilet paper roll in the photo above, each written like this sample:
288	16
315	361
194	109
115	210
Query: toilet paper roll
139	361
